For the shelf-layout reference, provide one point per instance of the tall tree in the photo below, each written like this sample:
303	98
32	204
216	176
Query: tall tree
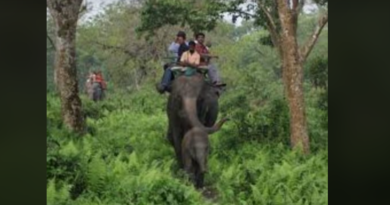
65	14
279	17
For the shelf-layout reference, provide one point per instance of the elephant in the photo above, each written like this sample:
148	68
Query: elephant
98	92
193	102
94	91
89	89
195	150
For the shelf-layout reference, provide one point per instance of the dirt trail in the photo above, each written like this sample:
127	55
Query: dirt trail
210	194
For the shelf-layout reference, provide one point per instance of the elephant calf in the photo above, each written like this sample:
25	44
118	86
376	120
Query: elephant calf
195	150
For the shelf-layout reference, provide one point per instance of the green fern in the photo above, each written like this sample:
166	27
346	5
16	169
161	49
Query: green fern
96	174
57	196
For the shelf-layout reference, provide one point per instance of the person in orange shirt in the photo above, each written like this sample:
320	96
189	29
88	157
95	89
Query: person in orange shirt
190	58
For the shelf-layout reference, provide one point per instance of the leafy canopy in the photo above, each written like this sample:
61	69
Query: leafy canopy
199	15
202	15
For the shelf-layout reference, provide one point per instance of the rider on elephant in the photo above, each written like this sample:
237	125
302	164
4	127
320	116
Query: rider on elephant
205	59
177	48
174	47
190	59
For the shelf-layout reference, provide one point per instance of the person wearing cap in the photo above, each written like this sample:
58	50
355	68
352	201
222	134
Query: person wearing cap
168	75
183	46
174	47
205	59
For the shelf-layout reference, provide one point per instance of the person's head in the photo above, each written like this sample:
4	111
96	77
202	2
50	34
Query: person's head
200	37
191	46
181	37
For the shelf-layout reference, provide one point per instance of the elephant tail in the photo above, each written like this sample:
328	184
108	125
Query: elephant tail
190	108
219	125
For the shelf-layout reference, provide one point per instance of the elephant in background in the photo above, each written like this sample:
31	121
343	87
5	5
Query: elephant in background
98	92
94	90
88	88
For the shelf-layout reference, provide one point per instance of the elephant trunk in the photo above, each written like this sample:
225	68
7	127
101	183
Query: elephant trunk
201	155
190	108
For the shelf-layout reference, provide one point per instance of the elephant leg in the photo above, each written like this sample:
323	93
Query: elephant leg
169	134
199	176
100	93
96	93
90	94
199	180
188	165
212	114
177	140
200	110
93	95
201	159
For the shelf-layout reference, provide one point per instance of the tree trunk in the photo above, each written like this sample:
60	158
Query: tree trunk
293	83
55	80
293	78
65	14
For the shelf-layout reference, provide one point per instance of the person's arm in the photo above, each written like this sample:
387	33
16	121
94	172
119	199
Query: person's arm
199	49
182	49
183	60
194	65
208	55
173	47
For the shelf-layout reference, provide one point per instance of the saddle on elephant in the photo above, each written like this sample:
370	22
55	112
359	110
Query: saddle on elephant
190	71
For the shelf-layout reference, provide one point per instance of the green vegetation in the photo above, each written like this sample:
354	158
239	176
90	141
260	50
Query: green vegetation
124	158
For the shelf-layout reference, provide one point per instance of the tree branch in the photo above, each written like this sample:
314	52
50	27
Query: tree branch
51	41
308	47
242	12
119	48
300	6
271	27
258	51
83	9
294	4
268	15
297	7
296	10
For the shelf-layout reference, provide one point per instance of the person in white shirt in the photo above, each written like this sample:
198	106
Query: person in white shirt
177	50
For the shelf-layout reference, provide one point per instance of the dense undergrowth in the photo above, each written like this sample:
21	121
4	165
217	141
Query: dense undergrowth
125	158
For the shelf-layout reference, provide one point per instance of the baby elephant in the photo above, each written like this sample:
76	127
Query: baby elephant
195	150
